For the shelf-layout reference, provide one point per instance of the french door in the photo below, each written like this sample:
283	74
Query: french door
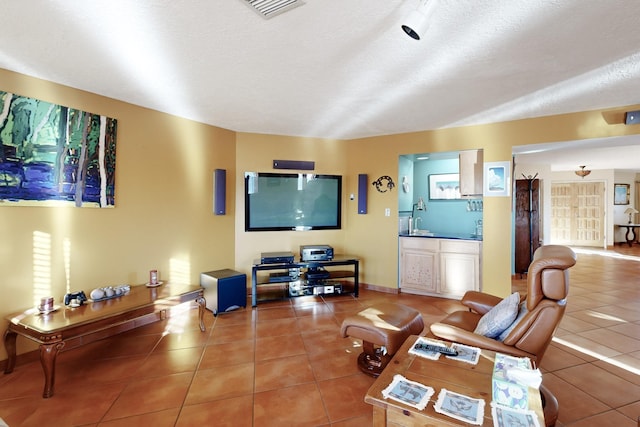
578	214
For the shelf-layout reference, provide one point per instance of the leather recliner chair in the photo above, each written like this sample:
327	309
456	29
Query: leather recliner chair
547	289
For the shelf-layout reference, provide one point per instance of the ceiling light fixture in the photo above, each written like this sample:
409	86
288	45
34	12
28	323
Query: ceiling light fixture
582	172
417	22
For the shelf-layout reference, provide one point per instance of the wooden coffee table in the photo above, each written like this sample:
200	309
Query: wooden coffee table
460	377
92	321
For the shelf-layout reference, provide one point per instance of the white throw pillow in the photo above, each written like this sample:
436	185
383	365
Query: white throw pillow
522	311
499	317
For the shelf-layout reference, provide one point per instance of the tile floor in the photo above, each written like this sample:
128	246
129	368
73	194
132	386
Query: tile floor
285	363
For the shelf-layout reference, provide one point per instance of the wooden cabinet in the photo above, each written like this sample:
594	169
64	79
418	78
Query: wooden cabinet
459	267
439	267
419	261
471	172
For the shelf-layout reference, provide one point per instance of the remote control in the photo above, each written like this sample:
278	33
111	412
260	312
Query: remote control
437	349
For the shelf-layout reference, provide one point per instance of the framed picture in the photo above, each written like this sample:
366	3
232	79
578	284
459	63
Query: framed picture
497	179
621	194
444	186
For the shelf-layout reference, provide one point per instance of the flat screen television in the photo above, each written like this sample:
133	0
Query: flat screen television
292	201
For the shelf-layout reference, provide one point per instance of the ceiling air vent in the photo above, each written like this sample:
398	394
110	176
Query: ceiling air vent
270	8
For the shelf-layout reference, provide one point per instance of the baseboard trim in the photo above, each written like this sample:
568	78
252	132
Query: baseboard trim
380	288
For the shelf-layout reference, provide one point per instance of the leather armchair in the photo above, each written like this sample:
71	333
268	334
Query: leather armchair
547	289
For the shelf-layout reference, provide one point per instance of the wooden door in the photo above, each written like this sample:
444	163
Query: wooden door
578	214
527	222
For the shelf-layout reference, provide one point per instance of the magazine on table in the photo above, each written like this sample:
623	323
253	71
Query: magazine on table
463	408
408	392
506	417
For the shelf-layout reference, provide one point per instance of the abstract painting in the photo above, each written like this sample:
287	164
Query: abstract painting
55	155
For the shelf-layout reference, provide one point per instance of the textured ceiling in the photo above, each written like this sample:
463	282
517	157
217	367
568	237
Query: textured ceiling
334	68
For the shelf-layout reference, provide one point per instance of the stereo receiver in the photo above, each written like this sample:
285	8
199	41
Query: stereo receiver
316	253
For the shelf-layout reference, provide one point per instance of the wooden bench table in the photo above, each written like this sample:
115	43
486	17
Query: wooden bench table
456	376
73	327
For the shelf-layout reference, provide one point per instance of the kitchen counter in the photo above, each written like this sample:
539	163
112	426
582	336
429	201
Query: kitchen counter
436	235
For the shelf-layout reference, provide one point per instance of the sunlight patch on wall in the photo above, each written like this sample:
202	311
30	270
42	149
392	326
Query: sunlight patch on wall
179	271
41	266
66	253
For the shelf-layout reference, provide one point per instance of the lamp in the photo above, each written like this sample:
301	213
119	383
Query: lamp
417	22
630	212
582	172
420	205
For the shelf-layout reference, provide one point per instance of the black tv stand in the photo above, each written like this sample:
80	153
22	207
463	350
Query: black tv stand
300	278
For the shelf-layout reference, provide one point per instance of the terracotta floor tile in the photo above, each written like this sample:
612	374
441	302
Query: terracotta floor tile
170	362
186	339
280	346
231	353
298	406
232	412
574	403
72	406
613	340
242	372
601	384
625	366
282	372
166	418
230	333
573	324
320	322
335	365
344	397
606	419
150	395
221	383
276	327
276	313
129	346
629	329
557	358
322	344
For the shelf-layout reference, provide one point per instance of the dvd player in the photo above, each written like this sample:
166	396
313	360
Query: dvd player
276	258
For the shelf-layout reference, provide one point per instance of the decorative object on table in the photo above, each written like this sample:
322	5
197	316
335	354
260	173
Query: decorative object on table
408	392
466	353
46	305
621	194
630	212
153	277
108	292
384	183
55	155
513	378
75	299
461	407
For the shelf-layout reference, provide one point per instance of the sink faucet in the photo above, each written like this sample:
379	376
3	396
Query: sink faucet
415	223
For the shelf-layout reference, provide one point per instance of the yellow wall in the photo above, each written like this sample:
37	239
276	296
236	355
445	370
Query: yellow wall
163	216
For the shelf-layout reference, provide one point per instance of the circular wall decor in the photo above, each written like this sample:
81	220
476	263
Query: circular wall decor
383	184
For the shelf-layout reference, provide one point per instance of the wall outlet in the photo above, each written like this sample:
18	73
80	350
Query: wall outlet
387	212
